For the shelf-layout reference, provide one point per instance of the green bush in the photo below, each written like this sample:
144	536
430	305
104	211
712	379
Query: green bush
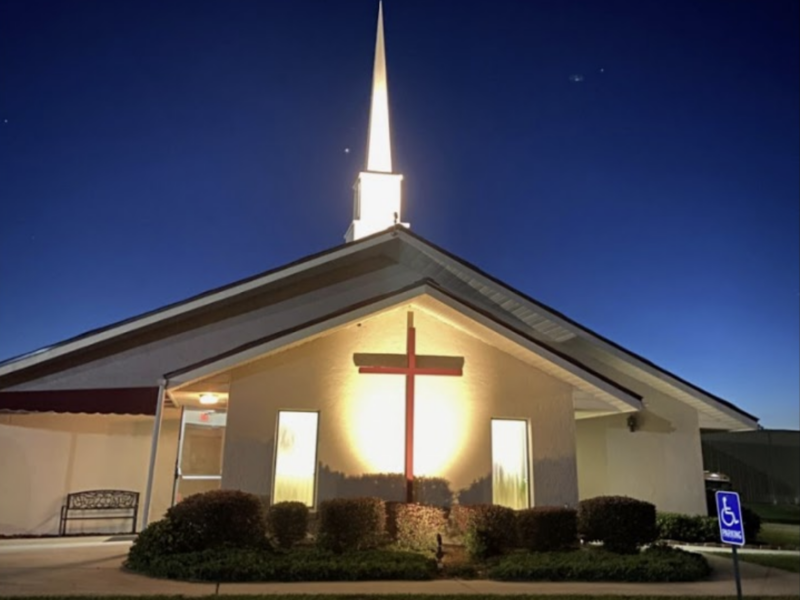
752	524
158	539
301	564
656	564
699	529
694	529
287	522
623	524
201	522
219	518
547	528
351	523
487	529
414	526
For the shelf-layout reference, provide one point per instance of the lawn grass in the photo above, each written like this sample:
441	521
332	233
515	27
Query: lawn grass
777	561
656	564
783	513
781	535
396	597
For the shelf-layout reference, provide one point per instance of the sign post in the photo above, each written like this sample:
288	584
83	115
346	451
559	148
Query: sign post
731	529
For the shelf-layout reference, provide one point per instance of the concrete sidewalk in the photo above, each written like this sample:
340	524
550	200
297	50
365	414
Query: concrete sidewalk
92	567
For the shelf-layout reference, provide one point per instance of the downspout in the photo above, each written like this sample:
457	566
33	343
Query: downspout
151	470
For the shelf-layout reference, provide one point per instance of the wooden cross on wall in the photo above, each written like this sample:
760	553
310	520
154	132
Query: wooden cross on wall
410	365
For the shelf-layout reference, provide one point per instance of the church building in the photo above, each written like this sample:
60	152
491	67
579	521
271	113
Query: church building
385	366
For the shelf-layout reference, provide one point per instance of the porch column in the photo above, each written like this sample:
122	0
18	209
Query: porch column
148	494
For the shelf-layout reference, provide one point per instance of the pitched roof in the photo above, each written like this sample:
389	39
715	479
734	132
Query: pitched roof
590	379
483	290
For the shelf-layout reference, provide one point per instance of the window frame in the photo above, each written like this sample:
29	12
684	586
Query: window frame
315	487
527	454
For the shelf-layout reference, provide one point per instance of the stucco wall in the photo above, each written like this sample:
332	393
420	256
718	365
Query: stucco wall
45	456
660	462
362	418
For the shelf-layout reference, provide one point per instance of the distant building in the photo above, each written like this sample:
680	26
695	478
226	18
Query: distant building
763	466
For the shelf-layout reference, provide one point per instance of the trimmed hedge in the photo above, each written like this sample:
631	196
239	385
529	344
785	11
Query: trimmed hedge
487	529
245	564
693	529
155	541
547	528
351	523
656	564
219	518
458	520
623	524
414	526
287	522
699	529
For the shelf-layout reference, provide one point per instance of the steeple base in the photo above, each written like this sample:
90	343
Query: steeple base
376	204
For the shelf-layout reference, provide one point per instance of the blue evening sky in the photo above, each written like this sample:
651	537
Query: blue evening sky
632	164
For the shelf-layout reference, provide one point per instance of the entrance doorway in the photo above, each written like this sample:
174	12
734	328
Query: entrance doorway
199	464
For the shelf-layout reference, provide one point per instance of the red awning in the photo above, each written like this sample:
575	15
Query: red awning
109	401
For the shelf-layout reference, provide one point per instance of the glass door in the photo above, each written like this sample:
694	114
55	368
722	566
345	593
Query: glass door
199	464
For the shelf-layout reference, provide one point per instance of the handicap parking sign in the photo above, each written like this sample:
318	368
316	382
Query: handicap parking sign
729	511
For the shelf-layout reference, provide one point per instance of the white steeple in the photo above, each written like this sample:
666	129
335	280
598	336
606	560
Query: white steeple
377	200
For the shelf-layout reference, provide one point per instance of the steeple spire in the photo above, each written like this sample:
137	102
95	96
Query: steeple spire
379	150
377	201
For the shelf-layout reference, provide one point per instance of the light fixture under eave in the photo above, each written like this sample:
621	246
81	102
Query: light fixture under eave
208	399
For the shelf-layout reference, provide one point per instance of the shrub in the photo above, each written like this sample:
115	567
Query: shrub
300	564
487	529
219	518
414	526
351	523
699	529
621	523
656	564
157	540
687	528
287	522
752	524
547	528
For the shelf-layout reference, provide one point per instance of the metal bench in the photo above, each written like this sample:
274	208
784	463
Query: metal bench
100	505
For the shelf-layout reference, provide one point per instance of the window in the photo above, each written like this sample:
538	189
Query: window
296	457
510	480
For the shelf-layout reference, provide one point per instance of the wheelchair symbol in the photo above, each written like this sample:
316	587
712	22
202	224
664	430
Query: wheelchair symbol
726	515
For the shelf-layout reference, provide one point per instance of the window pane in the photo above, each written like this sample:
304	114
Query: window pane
296	457
510	463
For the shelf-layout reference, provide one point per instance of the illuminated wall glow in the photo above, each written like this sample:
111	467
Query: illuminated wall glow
376	424
296	457
363	428
442	424
510	483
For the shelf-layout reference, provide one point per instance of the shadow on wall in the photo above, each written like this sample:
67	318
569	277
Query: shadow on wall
434	491
478	492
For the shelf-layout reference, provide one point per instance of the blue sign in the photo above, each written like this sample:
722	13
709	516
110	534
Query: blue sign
729	511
